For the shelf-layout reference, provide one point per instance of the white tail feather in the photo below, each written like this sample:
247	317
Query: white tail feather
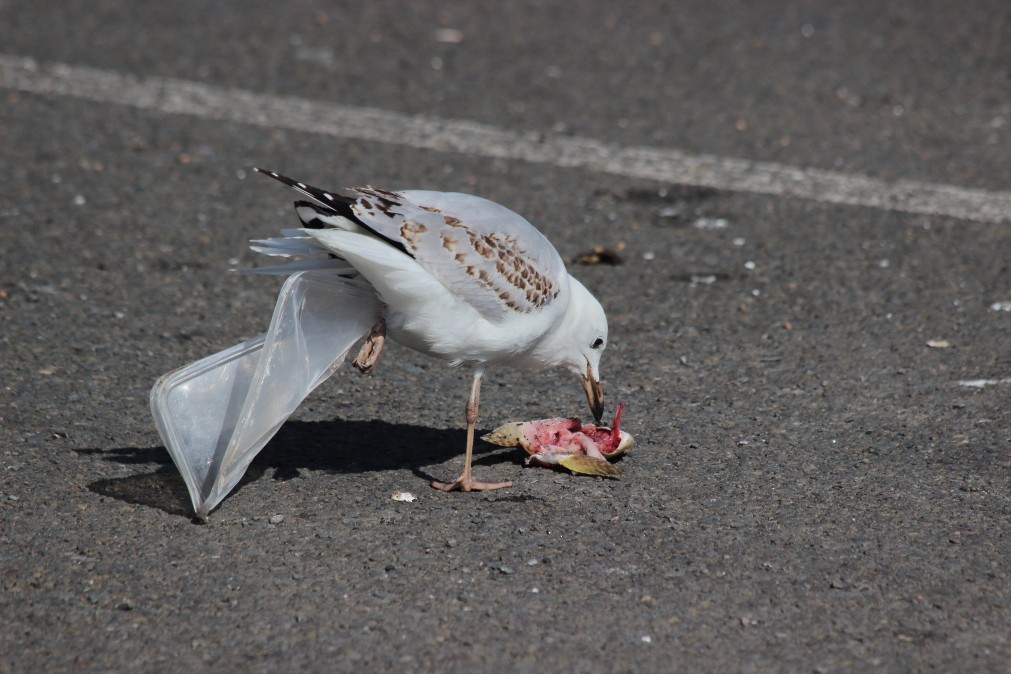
287	247
304	252
338	267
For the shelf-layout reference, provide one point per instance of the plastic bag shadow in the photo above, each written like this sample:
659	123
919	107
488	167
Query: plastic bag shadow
334	446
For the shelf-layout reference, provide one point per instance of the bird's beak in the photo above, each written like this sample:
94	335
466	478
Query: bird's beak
594	394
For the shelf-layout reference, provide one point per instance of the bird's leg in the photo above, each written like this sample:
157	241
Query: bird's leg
369	354
466	481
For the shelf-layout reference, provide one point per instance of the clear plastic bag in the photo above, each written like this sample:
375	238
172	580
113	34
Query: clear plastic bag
216	414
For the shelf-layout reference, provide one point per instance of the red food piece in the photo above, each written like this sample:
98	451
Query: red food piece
561	434
607	439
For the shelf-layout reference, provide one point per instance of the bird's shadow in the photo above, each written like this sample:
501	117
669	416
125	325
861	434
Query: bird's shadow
335	446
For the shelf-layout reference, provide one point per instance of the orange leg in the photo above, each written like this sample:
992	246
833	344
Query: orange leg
466	481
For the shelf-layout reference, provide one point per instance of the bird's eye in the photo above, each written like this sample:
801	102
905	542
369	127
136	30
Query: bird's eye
597	343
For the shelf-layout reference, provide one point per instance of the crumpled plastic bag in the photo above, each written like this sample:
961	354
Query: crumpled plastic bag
216	414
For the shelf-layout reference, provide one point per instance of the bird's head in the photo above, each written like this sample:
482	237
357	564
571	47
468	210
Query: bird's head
580	341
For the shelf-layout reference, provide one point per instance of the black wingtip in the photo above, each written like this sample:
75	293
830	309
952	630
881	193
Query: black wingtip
336	203
315	222
277	176
321	197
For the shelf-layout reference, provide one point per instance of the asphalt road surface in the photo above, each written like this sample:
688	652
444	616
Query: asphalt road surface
810	331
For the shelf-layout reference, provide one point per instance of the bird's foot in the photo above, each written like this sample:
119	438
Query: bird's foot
369	354
468	483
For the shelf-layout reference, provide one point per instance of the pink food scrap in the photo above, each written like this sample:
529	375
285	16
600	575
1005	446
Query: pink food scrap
567	442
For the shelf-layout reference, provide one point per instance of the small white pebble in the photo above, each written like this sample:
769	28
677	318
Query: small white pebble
739	241
750	265
276	519
79	200
449	35
648	255
405	496
534	590
710	223
1001	306
646	639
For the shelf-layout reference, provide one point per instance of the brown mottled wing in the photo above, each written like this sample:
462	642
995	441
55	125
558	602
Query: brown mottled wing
483	252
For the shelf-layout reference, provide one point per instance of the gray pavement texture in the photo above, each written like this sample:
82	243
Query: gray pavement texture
812	489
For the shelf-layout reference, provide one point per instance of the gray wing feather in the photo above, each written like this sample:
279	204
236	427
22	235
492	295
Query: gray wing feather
483	252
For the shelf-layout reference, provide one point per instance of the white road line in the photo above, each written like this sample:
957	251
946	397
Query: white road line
445	135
